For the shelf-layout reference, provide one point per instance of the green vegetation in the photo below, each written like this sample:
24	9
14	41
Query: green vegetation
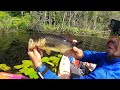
75	22
4	67
52	62
27	67
10	23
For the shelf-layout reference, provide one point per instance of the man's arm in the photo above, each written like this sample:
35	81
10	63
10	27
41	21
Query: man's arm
88	56
45	73
93	56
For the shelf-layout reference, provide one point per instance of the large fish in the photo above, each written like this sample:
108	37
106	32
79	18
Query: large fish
50	42
71	38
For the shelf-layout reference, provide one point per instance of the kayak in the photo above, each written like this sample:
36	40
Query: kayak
5	75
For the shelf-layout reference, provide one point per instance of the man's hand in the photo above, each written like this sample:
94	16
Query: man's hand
35	55
77	53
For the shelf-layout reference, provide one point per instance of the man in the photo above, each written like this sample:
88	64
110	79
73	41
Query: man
108	63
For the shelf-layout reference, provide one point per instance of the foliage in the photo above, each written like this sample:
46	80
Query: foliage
3	15
58	55
4	67
10	22
20	23
52	62
14	13
57	21
73	21
27	68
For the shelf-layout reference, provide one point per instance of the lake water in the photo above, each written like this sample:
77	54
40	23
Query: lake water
13	46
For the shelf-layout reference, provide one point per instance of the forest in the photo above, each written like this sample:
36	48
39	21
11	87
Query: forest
76	22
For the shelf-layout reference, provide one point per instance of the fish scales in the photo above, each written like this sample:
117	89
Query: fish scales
50	42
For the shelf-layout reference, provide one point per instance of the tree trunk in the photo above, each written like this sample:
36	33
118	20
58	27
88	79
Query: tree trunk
94	20
70	20
45	13
63	19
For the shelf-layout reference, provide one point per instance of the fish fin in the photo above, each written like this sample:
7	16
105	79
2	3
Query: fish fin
48	52
68	36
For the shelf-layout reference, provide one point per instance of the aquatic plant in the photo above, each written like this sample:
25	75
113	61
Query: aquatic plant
27	69
52	62
4	67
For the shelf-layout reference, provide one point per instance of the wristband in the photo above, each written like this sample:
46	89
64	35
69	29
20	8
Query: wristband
39	67
38	70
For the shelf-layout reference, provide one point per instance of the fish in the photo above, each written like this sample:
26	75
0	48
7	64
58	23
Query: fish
51	42
71	39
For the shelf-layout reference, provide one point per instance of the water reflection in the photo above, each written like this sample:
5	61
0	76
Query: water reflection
92	43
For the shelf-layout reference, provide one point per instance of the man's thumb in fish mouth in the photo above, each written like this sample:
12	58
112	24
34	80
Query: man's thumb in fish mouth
75	49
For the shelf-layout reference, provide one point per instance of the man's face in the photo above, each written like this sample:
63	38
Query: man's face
113	47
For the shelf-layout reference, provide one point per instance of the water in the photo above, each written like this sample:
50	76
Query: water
13	46
92	43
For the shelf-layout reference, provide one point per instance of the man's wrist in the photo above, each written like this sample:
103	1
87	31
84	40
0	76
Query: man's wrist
41	70
39	67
